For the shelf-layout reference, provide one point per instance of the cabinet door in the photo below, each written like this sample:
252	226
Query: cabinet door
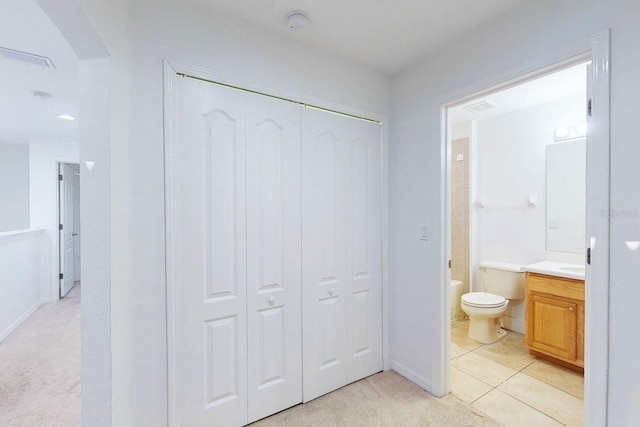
552	325
580	335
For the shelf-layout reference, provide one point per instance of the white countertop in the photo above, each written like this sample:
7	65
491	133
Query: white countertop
559	269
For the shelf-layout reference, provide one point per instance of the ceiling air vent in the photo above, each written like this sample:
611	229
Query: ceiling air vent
30	58
480	106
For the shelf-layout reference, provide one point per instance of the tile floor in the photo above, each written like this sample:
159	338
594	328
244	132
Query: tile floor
505	382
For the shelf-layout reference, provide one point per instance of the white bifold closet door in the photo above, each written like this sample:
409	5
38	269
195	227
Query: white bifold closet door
233	191
273	256
341	253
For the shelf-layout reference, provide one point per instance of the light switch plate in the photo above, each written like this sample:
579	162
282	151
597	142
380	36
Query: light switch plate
425	233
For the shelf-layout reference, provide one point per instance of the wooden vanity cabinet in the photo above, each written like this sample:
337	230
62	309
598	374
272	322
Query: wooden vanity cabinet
555	319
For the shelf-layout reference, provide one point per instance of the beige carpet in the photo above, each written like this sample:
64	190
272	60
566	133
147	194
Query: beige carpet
40	368
385	399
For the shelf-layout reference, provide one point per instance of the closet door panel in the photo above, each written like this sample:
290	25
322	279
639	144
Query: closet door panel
273	256
364	249
323	254
341	270
206	258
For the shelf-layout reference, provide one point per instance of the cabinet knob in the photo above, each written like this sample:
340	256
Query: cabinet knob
571	309
332	291
272	300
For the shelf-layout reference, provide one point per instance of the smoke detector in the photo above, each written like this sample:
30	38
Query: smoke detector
297	20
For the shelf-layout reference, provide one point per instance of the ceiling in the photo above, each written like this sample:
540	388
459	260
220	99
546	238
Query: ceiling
564	83
22	115
385	35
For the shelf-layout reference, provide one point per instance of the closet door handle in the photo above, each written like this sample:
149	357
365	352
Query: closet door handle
272	300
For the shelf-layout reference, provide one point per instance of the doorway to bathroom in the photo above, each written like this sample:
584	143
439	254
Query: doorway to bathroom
520	199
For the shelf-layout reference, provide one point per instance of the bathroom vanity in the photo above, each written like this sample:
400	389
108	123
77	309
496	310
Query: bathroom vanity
555	313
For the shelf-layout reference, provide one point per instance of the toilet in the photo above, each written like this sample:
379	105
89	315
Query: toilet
501	283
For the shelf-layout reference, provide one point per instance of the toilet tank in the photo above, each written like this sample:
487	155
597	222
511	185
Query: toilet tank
504	279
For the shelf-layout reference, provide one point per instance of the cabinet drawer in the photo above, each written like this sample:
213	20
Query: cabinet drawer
557	286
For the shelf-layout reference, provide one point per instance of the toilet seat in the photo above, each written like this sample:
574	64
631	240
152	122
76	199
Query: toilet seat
483	300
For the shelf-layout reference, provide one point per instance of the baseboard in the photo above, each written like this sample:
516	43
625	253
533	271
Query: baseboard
412	376
4	334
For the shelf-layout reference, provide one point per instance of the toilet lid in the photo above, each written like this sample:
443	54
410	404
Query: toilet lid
483	299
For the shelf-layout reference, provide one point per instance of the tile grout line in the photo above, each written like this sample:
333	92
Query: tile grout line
554	386
513	397
532	407
504	392
517	371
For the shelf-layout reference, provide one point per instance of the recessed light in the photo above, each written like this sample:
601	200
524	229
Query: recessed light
66	117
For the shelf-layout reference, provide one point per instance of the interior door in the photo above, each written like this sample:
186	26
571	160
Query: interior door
341	253
76	225
66	240
273	256
207	255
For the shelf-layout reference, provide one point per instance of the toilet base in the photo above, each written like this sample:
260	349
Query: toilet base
484	330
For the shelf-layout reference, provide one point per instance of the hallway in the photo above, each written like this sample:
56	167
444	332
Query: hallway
40	367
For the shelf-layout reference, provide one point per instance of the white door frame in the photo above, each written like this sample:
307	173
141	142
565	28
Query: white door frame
596	49
171	70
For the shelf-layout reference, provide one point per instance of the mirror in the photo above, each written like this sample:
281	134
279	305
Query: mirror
566	196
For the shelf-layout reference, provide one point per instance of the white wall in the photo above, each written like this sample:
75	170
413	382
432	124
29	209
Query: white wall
44	155
461	130
511	167
95	214
529	31
14	187
22	268
139	35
